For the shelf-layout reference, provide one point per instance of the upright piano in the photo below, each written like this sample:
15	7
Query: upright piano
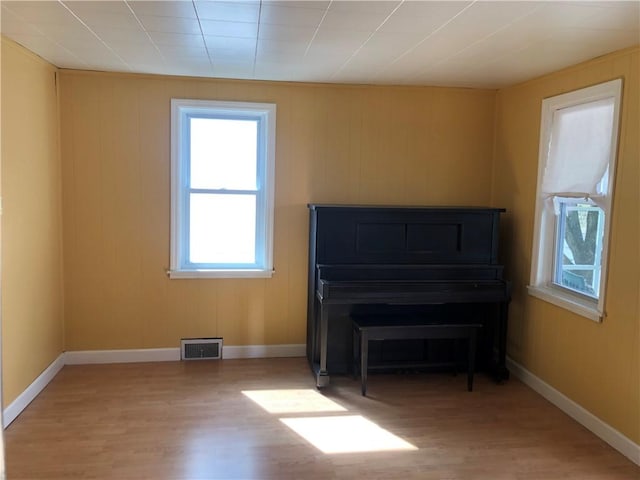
438	263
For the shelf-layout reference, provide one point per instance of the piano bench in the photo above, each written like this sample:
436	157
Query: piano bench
366	329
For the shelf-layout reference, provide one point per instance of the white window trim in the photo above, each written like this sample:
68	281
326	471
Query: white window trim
179	107
541	284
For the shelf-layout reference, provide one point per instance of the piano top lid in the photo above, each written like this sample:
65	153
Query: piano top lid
448	208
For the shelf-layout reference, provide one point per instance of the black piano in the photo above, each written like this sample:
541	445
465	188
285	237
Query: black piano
438	263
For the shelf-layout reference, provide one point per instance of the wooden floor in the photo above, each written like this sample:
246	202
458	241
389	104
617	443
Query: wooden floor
191	420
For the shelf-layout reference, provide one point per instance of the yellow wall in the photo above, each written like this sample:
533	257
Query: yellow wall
334	144
596	365
32	300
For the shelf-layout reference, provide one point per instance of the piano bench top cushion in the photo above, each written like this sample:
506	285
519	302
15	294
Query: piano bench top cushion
391	328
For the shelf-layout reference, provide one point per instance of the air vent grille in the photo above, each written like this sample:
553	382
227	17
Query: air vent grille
201	348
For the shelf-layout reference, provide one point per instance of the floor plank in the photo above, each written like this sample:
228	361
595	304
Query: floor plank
191	420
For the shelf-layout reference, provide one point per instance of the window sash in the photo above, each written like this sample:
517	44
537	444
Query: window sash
264	114
259	171
257	192
187	231
561	269
544	253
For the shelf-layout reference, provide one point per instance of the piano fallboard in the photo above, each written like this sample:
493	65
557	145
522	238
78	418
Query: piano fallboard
411	291
408	272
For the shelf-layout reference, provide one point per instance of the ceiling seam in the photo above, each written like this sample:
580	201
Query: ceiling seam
164	60
255	50
424	39
315	34
206	47
96	35
45	36
366	41
504	27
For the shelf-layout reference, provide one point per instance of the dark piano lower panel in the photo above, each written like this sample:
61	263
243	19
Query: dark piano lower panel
339	345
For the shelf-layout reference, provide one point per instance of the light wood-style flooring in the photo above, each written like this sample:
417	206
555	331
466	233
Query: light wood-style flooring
191	420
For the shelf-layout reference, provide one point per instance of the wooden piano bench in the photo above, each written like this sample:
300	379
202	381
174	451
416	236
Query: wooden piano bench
391	328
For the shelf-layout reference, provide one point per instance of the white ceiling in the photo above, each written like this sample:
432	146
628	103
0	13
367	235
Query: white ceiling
455	43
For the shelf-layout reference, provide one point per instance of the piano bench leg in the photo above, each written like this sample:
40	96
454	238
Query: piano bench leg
364	360
355	354
471	339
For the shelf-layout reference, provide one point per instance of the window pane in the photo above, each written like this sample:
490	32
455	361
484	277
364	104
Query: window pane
222	229
580	228
223	153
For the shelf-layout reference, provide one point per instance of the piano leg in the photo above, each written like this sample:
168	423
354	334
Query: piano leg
471	358
322	376
502	373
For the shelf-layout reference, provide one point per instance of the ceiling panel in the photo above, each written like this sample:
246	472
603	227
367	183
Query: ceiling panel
281	54
83	8
13	26
228	11
121	21
384	7
229	29
163	8
176	39
154	23
113	35
286	33
351	20
288	15
487	44
318	4
625	17
40	12
423	17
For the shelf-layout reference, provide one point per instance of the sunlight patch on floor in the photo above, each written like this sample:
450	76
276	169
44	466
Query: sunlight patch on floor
293	401
346	434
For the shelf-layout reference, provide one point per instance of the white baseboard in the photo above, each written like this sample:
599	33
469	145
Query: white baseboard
16	407
264	351
85	357
173	354
588	420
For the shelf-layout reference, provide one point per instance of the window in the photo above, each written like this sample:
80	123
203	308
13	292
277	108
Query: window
578	144
222	169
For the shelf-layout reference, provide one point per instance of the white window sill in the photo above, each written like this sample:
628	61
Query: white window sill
575	304
177	274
